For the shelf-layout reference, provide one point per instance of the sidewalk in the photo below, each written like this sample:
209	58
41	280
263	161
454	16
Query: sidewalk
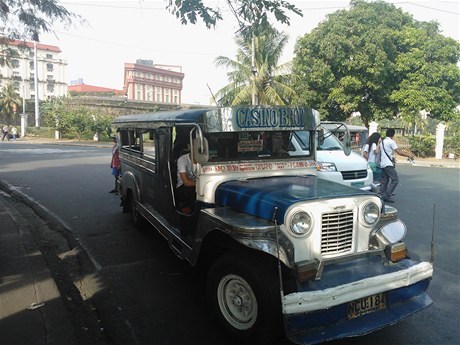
430	162
31	308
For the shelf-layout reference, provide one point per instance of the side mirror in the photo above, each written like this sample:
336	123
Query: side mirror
321	136
346	143
200	154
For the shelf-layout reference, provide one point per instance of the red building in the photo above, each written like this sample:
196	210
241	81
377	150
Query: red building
145	81
83	88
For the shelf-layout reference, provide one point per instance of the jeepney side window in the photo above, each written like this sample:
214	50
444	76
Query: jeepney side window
131	140
148	144
124	139
135	140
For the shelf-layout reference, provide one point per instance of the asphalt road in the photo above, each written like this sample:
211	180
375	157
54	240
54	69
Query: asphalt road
145	295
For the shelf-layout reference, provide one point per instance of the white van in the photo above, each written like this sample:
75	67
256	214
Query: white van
332	162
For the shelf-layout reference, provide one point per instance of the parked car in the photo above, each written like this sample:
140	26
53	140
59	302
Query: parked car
283	250
333	163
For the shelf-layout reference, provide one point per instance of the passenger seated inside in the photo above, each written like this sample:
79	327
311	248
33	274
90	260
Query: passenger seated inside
186	182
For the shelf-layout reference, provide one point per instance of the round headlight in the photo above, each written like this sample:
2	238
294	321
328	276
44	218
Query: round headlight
371	213
301	223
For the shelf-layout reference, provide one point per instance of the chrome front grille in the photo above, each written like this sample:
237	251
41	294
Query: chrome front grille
354	174
337	232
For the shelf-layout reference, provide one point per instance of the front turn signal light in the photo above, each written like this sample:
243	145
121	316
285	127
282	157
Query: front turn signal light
396	251
306	271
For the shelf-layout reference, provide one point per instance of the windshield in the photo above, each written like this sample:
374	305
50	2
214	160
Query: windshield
250	145
329	143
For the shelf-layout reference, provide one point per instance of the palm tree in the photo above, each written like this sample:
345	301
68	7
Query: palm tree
10	101
270	83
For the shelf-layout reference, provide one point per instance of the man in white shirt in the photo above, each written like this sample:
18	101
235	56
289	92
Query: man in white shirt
186	181
387	162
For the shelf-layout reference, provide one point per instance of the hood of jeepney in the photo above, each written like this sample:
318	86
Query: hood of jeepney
260	196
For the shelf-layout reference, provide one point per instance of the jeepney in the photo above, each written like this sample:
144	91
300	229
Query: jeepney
284	251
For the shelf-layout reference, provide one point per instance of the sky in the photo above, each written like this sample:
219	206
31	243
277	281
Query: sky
119	32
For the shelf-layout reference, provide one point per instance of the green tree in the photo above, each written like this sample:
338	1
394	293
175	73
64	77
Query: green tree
365	60
428	72
101	123
54	113
10	101
270	82
79	121
249	13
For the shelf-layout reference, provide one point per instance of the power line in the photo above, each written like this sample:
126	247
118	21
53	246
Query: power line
302	8
431	8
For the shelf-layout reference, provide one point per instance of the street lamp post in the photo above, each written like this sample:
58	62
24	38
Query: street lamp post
37	110
253	70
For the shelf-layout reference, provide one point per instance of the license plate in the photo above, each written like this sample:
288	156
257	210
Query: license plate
357	184
366	305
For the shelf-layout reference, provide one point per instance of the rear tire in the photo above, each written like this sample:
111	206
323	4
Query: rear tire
243	293
136	217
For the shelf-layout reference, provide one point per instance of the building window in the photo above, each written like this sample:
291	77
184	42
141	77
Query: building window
31	53
149	92
167	96
50	87
176	97
49	67
31	65
16	85
32	86
32	76
49	56
138	89
158	92
15	63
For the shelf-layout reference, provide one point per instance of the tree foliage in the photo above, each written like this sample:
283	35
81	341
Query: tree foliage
270	82
379	61
251	14
24	20
10	101
68	117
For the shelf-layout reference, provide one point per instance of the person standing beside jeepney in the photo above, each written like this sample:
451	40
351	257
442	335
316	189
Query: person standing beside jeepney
388	164
115	164
186	180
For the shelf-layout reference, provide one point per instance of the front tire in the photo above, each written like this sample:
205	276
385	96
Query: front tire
243	293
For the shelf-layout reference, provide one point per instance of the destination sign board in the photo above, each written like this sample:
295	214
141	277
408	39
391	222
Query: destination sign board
261	118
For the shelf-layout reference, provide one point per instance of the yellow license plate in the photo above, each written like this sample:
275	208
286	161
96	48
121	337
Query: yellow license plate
366	305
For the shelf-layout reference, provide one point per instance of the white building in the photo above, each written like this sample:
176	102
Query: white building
51	71
146	81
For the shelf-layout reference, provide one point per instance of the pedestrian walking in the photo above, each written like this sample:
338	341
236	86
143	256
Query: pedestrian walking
5	132
388	164
14	132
